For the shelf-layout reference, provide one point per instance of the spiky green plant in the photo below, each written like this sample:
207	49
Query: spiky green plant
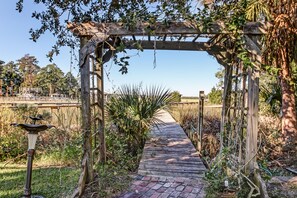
133	110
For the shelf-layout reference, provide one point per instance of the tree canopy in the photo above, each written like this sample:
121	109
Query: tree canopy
50	78
215	96
26	76
11	78
29	68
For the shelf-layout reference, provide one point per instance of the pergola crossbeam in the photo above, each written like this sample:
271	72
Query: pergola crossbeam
216	39
173	45
196	37
180	38
158	29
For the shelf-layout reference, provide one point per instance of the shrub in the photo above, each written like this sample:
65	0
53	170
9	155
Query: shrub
215	96
133	110
176	96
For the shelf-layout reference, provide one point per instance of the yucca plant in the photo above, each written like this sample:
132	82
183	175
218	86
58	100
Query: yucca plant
133	110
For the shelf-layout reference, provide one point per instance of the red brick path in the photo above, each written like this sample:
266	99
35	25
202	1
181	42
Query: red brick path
163	187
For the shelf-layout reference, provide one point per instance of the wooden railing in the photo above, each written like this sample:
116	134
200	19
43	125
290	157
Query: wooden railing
34	99
193	103
41	105
39	102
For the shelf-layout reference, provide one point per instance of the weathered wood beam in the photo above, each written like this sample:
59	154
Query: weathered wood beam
87	174
213	38
173	45
94	105
108	55
200	120
254	49
252	120
223	57
119	29
225	116
86	114
196	37
90	47
180	38
100	98
253	104
216	39
164	45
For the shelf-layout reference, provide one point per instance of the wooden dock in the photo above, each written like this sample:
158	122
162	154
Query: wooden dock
170	166
170	153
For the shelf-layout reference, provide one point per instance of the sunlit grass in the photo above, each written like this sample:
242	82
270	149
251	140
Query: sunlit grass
46	181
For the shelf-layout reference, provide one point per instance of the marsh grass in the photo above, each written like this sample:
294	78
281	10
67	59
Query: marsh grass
187	116
68	118
64	139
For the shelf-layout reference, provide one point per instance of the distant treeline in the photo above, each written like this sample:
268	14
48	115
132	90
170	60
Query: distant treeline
25	77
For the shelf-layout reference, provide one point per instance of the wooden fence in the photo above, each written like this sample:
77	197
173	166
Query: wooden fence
34	99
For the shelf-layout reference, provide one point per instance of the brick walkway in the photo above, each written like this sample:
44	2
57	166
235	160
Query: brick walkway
170	165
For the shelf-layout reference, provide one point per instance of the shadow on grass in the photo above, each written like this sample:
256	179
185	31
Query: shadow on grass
46	181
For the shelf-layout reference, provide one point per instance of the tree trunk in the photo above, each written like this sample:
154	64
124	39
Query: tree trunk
50	89
1	82
289	121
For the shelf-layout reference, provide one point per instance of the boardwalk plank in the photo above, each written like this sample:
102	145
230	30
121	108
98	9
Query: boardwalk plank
169	164
177	162
172	167
169	152
190	175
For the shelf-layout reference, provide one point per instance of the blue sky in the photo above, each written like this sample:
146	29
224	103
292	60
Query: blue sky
183	71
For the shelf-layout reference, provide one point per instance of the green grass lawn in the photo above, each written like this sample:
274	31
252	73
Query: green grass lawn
50	182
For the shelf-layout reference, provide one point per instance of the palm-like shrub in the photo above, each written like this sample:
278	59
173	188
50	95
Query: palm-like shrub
133	110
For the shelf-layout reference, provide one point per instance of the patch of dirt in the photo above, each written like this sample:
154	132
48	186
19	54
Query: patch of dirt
282	187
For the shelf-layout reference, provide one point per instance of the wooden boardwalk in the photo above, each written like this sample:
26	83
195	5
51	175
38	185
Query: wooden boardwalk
170	166
169	152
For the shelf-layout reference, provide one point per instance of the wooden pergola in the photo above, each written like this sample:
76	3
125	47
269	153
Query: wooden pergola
241	85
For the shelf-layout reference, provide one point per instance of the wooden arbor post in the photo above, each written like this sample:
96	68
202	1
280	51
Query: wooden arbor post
252	119
253	103
87	160
87	47
224	58
200	119
225	116
100	99
1	82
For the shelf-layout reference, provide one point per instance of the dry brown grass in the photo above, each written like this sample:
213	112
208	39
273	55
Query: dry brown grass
13	141
273	147
187	116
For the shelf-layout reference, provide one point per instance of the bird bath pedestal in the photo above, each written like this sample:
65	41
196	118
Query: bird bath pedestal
33	131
